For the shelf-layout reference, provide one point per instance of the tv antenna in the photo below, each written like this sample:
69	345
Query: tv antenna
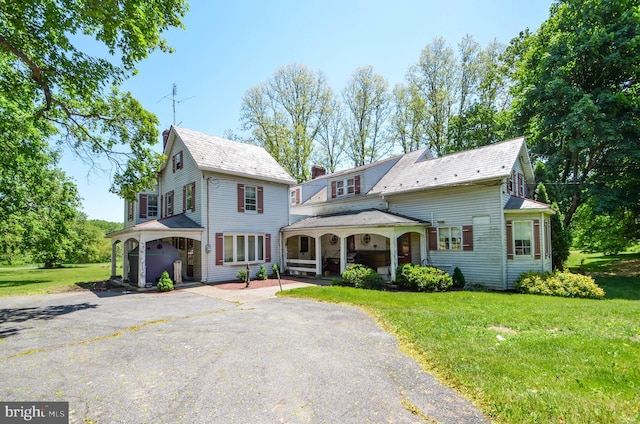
174	93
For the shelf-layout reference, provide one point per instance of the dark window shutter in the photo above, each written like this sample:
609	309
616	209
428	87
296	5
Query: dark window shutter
536	238
184	199
173	166
356	181
333	189
520	186
267	247
433	238
509	240
241	198
467	238
143	206
193	197
219	249
297	196
161	211
260	200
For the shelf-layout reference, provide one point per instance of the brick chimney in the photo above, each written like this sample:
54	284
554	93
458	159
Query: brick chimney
317	171
165	137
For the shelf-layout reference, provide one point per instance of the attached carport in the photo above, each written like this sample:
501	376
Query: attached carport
139	235
340	227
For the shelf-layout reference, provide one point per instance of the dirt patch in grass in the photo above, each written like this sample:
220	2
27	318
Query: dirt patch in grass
505	330
628	267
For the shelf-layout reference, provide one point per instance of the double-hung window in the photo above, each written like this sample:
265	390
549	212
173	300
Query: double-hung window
250	198
152	206
522	238
450	238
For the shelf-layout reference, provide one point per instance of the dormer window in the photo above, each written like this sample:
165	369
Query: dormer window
345	187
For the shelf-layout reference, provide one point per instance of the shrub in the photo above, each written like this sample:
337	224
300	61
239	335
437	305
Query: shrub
475	287
262	273
242	275
165	283
458	278
275	268
362	277
422	278
564	284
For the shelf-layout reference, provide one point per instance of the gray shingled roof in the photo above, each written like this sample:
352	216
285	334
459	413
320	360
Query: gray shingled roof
364	218
414	172
175	222
231	157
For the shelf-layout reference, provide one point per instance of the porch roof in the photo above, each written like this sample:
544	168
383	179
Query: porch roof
363	218
172	223
518	204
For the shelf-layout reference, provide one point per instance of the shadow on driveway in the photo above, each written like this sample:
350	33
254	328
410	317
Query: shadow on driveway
46	313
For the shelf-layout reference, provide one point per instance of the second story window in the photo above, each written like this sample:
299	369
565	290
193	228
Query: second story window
152	206
189	201
250	198
168	201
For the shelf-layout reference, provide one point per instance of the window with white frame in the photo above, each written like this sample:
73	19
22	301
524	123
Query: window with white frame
168	201
250	198
242	248
523	238
292	197
189	198
345	187
152	205
450	238
351	186
340	188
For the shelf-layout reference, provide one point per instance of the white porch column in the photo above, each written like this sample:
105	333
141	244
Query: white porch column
343	254
126	270
423	246
393	253
113	259
142	263
318	257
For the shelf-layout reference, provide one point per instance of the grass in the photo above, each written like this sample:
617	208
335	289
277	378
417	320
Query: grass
33	280
522	358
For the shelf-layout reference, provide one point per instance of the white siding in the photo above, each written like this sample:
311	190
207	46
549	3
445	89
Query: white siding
225	218
457	207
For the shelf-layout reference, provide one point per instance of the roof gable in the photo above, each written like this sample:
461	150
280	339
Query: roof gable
217	154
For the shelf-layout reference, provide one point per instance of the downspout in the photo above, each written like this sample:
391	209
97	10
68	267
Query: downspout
207	247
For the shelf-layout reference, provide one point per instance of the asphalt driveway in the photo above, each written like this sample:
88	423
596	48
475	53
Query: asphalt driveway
205	355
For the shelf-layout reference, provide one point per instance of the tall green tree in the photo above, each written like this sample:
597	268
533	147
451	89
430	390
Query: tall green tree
435	77
46	77
408	118
286	114
367	102
577	87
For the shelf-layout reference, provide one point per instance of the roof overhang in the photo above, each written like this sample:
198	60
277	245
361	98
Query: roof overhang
521	205
173	226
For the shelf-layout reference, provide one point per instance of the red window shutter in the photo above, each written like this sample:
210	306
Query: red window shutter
193	197
433	238
219	249
520	191
356	182
333	189
241	198
260	200
514	183
143	206
536	238
467	238
267	247
173	166
184	199
297	196
509	240
161	211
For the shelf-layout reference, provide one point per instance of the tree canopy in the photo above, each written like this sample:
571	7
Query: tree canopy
577	87
46	78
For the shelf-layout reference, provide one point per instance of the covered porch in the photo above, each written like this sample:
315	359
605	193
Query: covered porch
327	244
173	244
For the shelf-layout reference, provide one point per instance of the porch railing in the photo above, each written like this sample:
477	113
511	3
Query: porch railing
301	265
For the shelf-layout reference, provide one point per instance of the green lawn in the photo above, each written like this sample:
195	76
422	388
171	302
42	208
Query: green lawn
34	280
521	358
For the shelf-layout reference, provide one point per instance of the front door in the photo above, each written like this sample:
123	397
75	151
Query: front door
404	249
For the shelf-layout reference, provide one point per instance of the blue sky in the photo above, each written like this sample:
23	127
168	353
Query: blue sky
230	46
